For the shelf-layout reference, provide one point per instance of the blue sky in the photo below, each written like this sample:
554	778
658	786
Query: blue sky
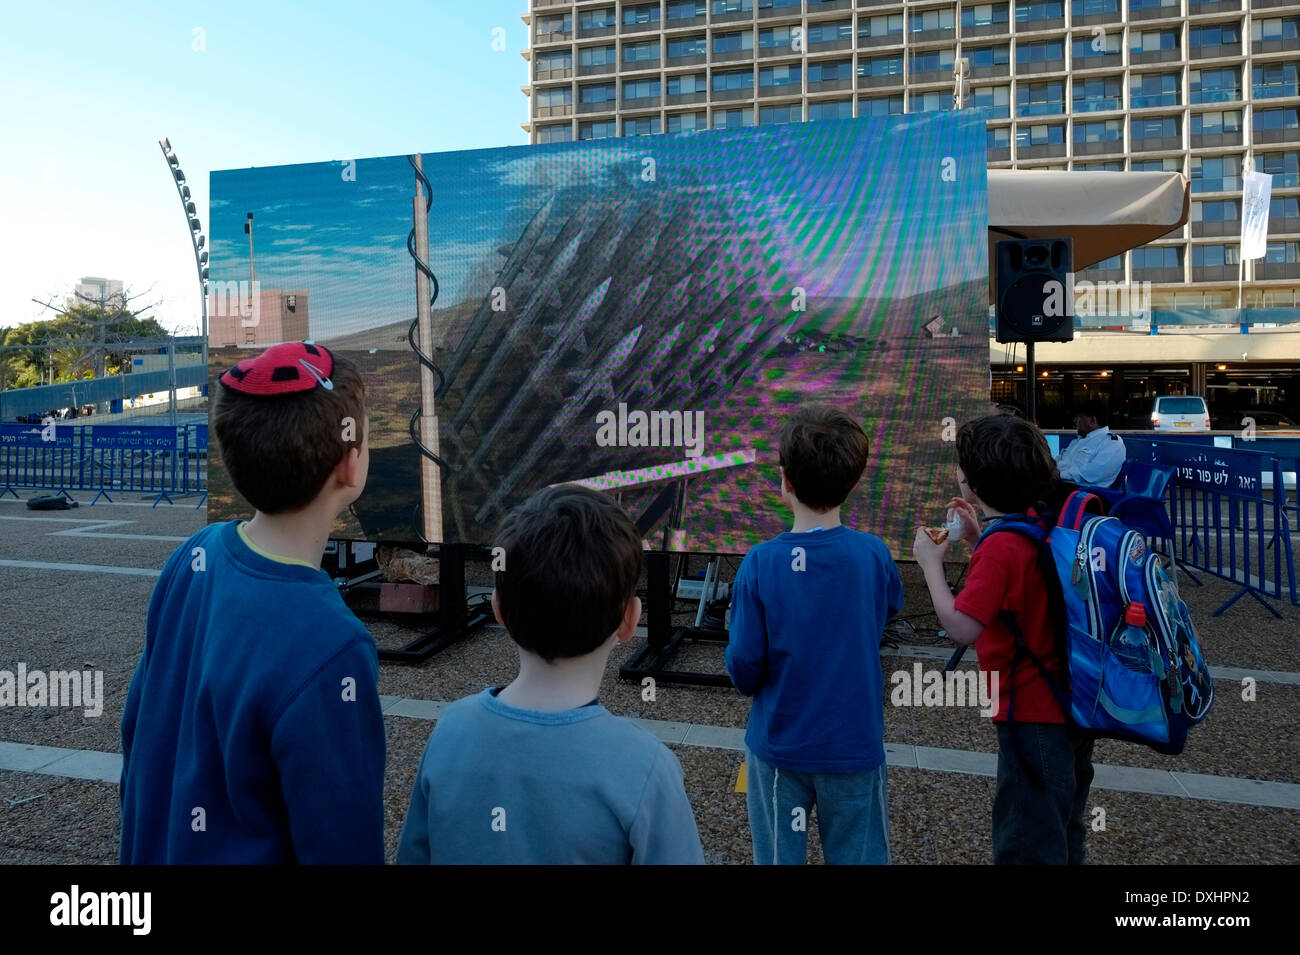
846	208
89	88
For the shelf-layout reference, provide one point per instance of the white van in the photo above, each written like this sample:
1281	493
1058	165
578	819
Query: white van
1180	413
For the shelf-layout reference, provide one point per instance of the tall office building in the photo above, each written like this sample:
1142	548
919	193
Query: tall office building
1203	87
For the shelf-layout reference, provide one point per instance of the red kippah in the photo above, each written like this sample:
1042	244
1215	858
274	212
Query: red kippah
283	369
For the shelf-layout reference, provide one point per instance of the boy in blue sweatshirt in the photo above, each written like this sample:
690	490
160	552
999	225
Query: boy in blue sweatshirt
808	610
252	731
538	771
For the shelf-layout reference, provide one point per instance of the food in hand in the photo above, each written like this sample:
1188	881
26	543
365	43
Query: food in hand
937	534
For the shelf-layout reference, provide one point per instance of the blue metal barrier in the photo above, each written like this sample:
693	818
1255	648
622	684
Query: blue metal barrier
132	459
44	456
1226	522
200	463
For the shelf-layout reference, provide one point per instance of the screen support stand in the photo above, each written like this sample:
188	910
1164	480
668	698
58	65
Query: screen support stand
663	641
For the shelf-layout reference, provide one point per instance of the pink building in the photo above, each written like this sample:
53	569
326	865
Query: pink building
238	315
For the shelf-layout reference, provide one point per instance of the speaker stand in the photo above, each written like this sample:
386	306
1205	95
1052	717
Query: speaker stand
1031	389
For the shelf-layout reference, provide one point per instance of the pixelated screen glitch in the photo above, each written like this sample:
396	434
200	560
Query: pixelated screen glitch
631	314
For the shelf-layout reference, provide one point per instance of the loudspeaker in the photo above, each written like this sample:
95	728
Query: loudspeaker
1035	290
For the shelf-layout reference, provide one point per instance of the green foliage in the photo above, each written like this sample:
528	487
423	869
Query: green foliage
91	339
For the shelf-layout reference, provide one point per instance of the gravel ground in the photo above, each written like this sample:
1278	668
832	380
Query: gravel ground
935	817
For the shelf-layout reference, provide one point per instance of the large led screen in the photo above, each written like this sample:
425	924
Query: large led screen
640	314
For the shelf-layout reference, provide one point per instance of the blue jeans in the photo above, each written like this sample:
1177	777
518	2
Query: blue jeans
852	815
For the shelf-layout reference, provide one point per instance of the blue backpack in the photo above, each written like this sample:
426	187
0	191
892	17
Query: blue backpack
1133	664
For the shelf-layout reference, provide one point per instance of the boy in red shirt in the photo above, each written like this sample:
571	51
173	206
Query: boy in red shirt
1044	762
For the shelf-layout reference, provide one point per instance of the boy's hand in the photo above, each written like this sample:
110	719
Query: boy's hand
926	551
970	519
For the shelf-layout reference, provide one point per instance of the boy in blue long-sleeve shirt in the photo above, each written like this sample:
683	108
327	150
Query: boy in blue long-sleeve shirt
538	771
252	732
808	611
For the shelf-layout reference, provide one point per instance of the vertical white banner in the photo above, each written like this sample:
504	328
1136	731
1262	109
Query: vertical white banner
1256	192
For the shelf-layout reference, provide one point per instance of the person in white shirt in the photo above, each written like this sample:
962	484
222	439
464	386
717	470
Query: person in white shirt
1096	458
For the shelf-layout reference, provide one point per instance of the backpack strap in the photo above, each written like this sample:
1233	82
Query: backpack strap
1076	508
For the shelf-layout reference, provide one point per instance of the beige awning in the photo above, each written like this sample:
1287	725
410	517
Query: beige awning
1105	213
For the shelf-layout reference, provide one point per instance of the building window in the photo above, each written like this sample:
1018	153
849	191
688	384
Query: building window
641	126
996	99
687	122
555	133
1095	94
1158	127
884	24
688	46
1216	210
830	32
685	9
1135	5
733	42
1099	131
837	70
777	4
1284	207
1154	89
933	61
556	60
1216	173
597	19
882	106
1107	44
732	6
1028	11
596	93
1040	136
1283	167
599	129
733	80
773	37
641	13
1282	253
1040	99
1275	28
1099	167
640	89
989	56
789	113
931	102
1042	52
1282	119
1216	123
1274	79
1212	256
641	52
1216	34
1159	257
875	66
562	23
1214	86
1168	164
984	15
549	96
1152	41
781	76
687	83
597	55
924	21
1091	8
832	109
998	137
732	118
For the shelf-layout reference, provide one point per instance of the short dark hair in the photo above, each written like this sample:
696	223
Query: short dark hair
1092	409
572	563
823	453
280	449
1006	462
